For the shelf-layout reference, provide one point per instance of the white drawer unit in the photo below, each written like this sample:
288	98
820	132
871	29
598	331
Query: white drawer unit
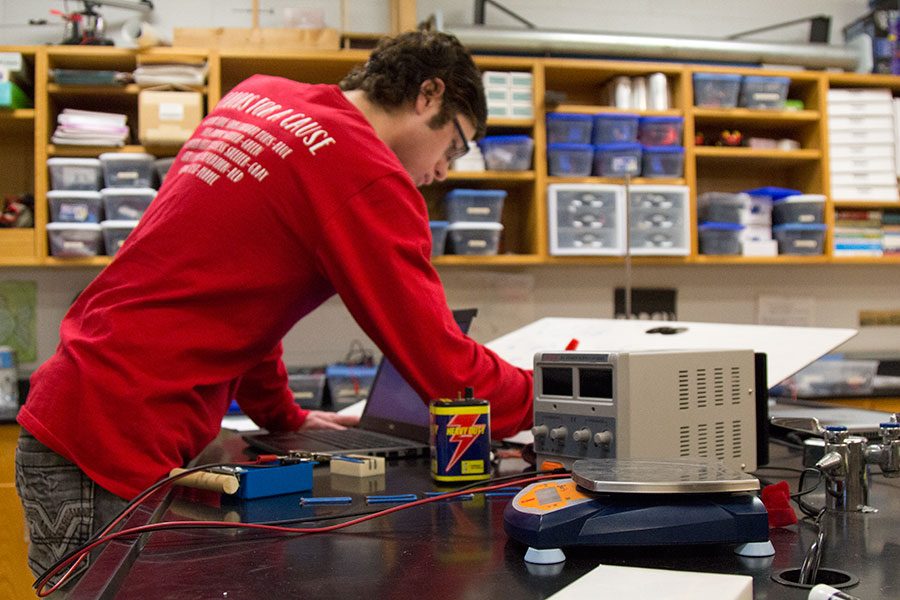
586	219
862	145
659	220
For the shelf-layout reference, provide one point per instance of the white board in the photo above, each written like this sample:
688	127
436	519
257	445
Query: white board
788	349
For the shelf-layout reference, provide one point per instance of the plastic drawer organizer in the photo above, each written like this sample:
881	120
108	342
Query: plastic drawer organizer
590	220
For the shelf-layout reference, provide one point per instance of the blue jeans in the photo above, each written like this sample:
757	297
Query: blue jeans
63	506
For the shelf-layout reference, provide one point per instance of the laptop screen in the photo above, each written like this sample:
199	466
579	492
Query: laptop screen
393	406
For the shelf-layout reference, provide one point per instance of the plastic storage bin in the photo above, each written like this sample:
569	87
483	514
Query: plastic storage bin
586	219
803	208
617	160
569	128
308	388
348	384
798	238
716	90
127	169
762	91
507	152
660	131
613	128
438	237
75	173
75	239
659	222
474	238
830	377
474	205
75	206
126	204
114	234
720	238
162	166
570	160
722	207
662	161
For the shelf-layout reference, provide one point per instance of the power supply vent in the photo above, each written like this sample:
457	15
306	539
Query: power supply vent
736	386
702	388
684	390
719	386
720	440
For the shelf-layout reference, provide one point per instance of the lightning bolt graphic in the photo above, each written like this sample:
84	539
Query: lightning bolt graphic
464	440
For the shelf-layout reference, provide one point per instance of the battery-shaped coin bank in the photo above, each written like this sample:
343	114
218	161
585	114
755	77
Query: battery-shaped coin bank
460	439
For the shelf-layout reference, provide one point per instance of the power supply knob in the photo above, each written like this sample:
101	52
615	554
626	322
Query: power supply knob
558	433
539	430
582	435
603	438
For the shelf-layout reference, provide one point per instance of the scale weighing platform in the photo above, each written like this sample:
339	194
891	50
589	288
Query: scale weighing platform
618	502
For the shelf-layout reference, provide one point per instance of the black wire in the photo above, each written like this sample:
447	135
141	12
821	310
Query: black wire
808	509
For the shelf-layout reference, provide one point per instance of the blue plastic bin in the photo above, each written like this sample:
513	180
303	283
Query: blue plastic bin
507	152
716	90
569	128
613	128
438	237
720	238
800	238
570	160
660	131
617	160
764	92
474	205
662	161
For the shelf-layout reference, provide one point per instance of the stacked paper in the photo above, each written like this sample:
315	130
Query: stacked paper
89	128
857	233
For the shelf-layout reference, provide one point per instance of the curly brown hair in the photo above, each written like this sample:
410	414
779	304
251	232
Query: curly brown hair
397	67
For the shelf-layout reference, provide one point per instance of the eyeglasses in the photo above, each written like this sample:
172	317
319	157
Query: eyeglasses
455	152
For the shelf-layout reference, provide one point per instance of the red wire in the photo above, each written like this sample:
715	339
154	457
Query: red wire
150	527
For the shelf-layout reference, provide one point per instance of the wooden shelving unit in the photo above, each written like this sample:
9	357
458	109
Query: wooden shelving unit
577	85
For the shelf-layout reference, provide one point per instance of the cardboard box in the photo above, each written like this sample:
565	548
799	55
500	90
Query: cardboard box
168	116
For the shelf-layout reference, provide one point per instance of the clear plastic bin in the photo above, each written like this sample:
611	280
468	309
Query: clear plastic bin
507	152
723	207
114	234
162	166
75	206
830	377
803	208
75	173
615	128
586	219
617	160
796	238
75	239
438	237
764	92
126	204
308	388
474	205
569	128
127	169
474	238
570	160
349	384
716	90
720	238
660	131
662	161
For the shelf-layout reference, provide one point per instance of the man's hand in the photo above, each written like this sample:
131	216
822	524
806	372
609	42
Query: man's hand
320	419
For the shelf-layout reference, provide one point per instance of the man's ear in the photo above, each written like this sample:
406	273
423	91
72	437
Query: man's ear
430	91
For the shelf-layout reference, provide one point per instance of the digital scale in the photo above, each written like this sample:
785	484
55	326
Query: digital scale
633	502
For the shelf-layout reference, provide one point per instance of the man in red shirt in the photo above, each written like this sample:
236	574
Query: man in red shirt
286	194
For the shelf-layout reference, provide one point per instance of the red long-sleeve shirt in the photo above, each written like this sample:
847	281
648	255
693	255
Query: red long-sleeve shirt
283	196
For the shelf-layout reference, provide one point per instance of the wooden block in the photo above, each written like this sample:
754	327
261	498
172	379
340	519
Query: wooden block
357	465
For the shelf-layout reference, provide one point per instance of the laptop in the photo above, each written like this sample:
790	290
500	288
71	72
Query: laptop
394	423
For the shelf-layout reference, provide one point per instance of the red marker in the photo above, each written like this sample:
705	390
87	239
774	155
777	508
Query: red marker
572	345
